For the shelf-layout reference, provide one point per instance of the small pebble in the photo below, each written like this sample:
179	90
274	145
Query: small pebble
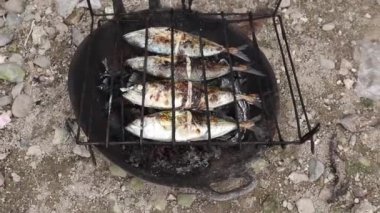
186	200
42	61
316	169
348	83
13	20
356	200
5	100
328	27
327	63
5	118
367	15
296	177
349	122
259	165
16	178
64	7
77	36
34	151
285	3
16	6
60	136
81	151
16	58
17	89
22	105
305	205
5	38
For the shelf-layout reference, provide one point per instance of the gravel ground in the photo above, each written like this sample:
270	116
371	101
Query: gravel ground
42	170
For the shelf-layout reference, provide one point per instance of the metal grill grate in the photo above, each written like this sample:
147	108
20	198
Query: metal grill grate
227	18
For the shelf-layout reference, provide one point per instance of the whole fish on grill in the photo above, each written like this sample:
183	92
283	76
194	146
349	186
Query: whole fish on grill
189	126
159	41
186	68
188	95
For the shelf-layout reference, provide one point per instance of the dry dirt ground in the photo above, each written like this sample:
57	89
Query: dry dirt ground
43	171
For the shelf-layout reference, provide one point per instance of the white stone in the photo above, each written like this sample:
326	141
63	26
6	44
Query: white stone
34	150
367	15
285	3
81	151
38	35
305	205
171	197
348	83
64	7
5	119
296	177
15	177
328	26
60	136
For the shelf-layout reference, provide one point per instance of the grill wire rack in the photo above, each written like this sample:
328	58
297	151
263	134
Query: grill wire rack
249	17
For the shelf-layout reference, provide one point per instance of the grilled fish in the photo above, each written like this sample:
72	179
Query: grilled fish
159	41
189	126
188	95
186	69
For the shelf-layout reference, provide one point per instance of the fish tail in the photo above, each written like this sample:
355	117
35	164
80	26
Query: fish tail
237	51
250	124
247	69
251	98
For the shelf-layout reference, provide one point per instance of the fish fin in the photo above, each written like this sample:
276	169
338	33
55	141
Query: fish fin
247	69
251	98
236	51
250	124
242	47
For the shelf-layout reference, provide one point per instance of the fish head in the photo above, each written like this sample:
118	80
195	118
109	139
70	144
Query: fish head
212	48
133	92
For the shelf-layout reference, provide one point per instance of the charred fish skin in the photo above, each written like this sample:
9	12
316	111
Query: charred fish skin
190	126
159	41
160	66
187	96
